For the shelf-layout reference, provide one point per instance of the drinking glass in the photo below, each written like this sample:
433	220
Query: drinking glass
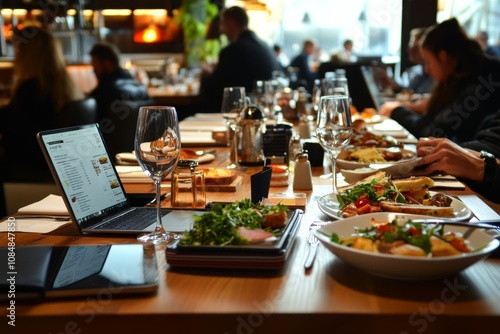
157	148
234	99
334	127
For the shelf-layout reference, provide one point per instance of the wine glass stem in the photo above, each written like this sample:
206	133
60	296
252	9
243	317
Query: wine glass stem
334	174
159	226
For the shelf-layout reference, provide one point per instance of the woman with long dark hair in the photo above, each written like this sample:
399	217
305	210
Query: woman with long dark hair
467	90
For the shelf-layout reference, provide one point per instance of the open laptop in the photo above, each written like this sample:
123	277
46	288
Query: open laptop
372	87
91	188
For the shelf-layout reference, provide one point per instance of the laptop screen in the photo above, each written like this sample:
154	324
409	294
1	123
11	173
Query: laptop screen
84	171
372	86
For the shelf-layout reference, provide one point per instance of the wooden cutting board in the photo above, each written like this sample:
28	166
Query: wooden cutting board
231	187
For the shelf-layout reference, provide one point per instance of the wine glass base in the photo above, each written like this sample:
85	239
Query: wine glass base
158	237
236	167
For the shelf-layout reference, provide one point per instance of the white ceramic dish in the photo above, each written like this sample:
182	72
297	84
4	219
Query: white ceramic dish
396	168
404	267
329	205
354	175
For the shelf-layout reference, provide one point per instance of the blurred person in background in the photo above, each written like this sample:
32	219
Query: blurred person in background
281	57
41	87
114	83
345	55
482	37
306	75
242	62
419	81
467	89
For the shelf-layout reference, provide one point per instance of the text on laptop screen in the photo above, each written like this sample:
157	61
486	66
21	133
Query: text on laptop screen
85	171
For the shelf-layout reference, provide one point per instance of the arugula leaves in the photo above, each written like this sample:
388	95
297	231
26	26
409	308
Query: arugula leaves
390	193
219	225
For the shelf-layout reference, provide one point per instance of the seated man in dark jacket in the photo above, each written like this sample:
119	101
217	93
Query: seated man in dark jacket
245	60
118	96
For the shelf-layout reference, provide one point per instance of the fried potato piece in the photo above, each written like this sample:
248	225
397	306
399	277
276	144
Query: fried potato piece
364	244
408	250
442	248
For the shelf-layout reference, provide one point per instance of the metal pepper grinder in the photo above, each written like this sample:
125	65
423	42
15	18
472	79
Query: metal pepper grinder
251	136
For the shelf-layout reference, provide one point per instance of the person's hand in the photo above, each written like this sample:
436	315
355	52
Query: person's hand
387	108
443	155
419	106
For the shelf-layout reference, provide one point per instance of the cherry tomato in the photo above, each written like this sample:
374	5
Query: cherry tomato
362	201
459	244
413	231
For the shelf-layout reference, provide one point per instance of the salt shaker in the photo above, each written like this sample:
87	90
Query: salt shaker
302	178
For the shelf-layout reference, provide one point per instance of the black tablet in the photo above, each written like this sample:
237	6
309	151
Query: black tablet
102	271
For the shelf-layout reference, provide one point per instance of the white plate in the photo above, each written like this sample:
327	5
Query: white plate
399	266
395	168
329	205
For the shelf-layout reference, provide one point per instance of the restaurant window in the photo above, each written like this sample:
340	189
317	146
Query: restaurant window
474	16
374	26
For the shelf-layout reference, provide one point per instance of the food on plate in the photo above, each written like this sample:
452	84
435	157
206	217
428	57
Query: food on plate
376	155
378	192
369	139
239	223
418	209
405	237
219	176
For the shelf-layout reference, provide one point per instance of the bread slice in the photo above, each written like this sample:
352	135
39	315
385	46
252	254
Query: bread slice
380	177
413	183
438	211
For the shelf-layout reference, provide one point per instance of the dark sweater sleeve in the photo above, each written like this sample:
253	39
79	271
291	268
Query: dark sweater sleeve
488	137
490	190
418	125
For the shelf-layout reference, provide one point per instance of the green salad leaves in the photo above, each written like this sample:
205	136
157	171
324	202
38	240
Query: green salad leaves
375	192
219	225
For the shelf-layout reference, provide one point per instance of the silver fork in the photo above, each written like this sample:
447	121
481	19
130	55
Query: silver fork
313	244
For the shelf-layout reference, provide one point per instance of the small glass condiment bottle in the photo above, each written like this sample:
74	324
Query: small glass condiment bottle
188	185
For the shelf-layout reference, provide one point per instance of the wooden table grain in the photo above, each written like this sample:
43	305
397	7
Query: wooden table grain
331	298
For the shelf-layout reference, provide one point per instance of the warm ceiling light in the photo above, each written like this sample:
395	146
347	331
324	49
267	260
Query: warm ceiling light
116	12
151	12
150	34
88	12
20	12
6	12
71	12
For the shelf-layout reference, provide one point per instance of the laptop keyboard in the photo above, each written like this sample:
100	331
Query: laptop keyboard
134	220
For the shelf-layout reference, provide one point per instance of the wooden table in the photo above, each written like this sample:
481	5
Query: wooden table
332	297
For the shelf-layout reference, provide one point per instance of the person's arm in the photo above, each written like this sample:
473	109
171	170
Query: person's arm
443	155
481	170
488	138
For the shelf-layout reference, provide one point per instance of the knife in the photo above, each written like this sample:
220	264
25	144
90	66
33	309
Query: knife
493	224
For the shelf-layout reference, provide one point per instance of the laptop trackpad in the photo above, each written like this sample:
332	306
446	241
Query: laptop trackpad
179	220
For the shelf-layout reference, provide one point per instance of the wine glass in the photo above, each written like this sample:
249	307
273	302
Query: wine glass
334	127
157	148
234	99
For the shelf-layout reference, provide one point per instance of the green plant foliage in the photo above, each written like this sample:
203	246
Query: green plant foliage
194	16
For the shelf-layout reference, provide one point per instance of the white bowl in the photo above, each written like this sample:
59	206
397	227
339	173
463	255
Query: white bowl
404	267
354	175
